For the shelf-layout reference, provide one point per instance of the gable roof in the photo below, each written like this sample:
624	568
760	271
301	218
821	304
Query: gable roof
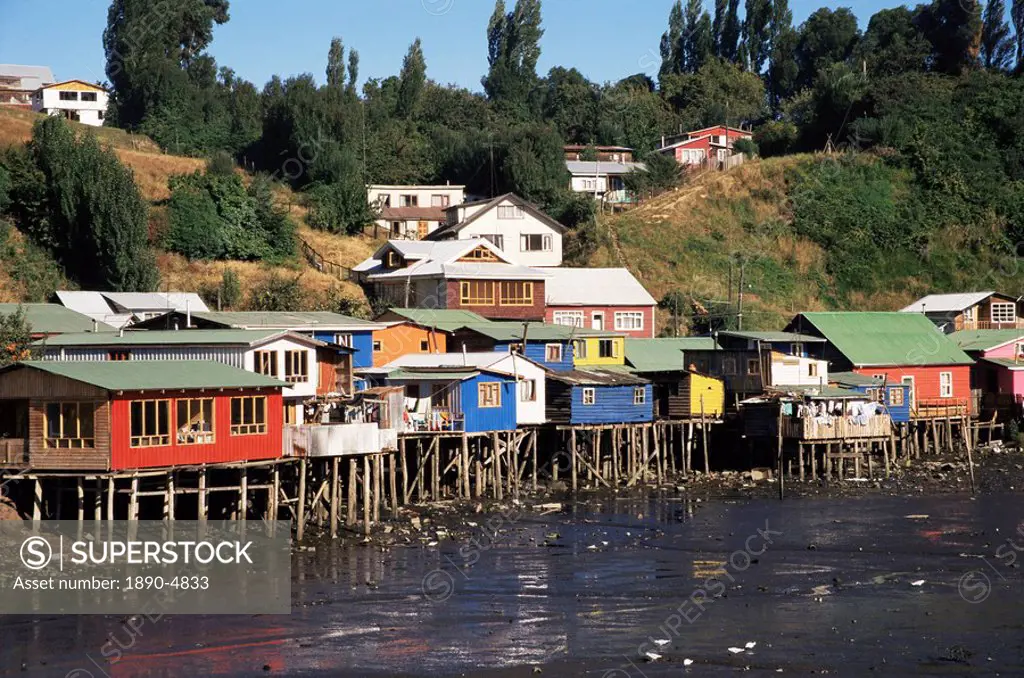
427	213
295	321
601	167
598	377
595	286
1008	363
119	308
157	375
32	77
985	340
88	84
177	338
445	320
440	259
513	331
439	373
55	319
879	339
940	303
774	337
664	355
480	360
526	206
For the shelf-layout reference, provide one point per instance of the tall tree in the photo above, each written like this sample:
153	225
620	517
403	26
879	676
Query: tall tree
672	41
513	49
353	70
756	33
997	45
826	38
412	79
336	64
718	24
1017	14
782	67
698	39
893	44
953	27
729	43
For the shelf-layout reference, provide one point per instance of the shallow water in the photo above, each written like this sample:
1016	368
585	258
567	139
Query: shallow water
831	591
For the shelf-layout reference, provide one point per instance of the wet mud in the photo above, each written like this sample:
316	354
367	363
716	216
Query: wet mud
908	576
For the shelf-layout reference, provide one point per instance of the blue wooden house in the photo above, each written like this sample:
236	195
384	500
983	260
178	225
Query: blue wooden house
470	399
599	396
546	344
895	396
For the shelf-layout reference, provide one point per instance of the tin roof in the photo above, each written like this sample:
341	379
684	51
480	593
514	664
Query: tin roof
774	337
152	375
595	287
175	338
598	377
54	318
290	320
513	331
985	340
664	355
871	339
939	303
443	319
1005	362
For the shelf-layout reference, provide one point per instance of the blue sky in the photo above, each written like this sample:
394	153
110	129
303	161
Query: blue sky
604	39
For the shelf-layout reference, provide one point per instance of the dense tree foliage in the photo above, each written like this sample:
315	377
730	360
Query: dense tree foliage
15	337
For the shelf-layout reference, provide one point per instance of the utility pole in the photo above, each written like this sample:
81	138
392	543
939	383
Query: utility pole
739	303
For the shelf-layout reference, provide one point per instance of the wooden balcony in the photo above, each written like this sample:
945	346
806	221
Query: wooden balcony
940	408
835	428
989	325
438	419
13	452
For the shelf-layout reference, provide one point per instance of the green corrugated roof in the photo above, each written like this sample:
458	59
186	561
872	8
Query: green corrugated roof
432	375
153	375
513	331
282	319
871	339
853	379
163	338
1005	362
443	319
983	340
55	319
774	337
664	355
819	391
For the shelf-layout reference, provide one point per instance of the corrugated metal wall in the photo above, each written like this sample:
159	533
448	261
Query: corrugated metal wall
228	355
489	418
612	405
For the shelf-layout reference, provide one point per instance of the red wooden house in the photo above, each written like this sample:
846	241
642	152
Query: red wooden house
471	275
712	146
896	347
117	415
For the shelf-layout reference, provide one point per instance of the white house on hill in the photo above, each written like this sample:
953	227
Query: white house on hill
75	100
413	212
526	235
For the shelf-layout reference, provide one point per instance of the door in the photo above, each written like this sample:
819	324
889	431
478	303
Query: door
911	392
597	320
422	230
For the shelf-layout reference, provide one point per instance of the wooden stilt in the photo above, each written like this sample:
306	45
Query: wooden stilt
367	479
80	492
97	501
275	492
335	482
378	484
465	467
353	497
393	483
111	487
300	522
133	500
203	504
572	458
37	502
533	457
243	494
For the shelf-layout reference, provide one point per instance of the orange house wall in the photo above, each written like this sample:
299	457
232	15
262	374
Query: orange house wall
404	339
926	380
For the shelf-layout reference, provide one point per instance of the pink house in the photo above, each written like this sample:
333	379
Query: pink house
998	373
712	146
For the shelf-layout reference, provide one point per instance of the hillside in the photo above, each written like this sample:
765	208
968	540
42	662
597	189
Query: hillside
683	241
152	170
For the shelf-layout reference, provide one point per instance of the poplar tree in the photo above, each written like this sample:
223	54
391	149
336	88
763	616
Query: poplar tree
997	45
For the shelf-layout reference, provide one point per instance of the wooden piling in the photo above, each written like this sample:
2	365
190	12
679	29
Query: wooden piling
300	522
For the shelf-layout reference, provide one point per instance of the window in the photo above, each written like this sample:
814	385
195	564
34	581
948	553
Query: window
343	340
489	394
195	421
296	366
495	239
535	242
393	258
480	254
69	96
873	394
510	212
248	415
528	391
945	384
796	349
589	396
385	199
424	346
580	348
119	355
476	293
1003	312
101	115
265	362
290	415
410	200
150	423
515	293
753	366
89	96
439	200
728	366
378	346
69	425
640	395
607	348
812	369
629	320
552	353
570	318
896	396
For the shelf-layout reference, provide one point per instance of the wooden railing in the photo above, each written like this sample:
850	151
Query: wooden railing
438	419
990	325
940	408
317	261
13	451
836	428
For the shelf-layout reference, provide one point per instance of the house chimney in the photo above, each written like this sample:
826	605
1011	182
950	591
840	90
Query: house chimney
174	325
95	325
188	313
120	331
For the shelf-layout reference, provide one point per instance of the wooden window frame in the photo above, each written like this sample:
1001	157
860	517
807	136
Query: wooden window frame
796	348
146	438
488	395
484	293
753	366
526	242
577	318
248	428
262	360
515	293
621	323
343	339
528	391
639	395
812	369
480	254
942	393
554	353
589	394
185	405
896	398
424	346
612	345
1001	319
63	441
580	349
378	346
296	366
729	367
510	212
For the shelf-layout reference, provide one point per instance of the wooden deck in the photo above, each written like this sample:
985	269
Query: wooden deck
940	408
841	428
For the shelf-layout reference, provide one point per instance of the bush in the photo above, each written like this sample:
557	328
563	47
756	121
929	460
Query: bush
776	137
745	146
220	164
278	293
15	337
5	188
32	267
195	227
230	289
